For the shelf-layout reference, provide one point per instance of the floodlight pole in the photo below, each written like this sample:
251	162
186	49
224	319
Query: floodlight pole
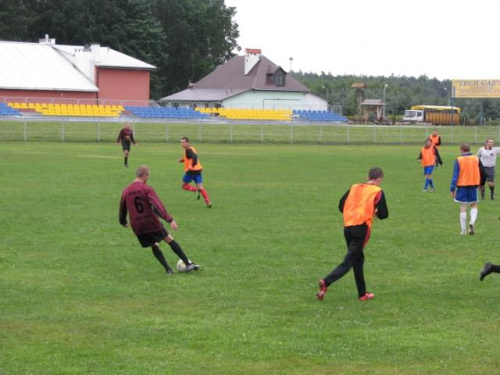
327	96
383	102
449	104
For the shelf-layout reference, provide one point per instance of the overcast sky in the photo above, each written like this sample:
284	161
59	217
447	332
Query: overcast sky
439	38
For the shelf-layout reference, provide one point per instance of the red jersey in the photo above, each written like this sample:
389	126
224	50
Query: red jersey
144	208
126	134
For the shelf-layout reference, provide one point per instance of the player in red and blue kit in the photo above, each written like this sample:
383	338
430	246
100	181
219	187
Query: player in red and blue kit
126	136
144	207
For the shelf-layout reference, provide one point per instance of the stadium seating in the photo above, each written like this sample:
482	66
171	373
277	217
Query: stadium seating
319	116
250	114
78	110
6	110
166	112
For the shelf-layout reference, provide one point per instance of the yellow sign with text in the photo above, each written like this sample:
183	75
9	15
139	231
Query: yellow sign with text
482	88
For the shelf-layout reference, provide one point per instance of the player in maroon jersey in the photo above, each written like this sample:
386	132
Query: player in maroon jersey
144	208
126	136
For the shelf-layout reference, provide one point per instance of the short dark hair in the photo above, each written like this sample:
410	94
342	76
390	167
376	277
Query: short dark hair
375	173
185	139
465	147
142	171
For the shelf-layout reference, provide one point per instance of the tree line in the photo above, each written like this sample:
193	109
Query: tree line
401	93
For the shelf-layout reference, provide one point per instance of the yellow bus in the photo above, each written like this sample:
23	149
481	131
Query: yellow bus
433	114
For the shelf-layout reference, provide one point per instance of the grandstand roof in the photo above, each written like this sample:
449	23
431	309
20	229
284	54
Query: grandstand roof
47	66
229	80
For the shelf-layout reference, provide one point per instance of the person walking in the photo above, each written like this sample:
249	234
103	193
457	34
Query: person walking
144	208
468	174
358	205
429	157
488	156
435	138
193	172
487	269
126	137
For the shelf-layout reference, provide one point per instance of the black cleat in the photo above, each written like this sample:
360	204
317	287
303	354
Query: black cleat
170	271
471	229
485	271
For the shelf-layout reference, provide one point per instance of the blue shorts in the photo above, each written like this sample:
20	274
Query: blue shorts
197	178
467	194
428	170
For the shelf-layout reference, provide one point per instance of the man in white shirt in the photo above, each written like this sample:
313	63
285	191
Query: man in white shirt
488	156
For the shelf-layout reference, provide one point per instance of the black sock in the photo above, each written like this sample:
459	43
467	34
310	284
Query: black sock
492	190
176	248
126	160
159	255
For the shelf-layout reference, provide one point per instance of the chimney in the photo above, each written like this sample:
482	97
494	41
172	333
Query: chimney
96	52
252	57
47	40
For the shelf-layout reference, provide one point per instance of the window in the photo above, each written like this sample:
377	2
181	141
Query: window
279	78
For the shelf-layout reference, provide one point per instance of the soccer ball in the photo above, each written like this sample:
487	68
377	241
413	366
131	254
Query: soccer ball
181	266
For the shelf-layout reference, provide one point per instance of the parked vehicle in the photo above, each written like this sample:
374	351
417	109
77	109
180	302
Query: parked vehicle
433	114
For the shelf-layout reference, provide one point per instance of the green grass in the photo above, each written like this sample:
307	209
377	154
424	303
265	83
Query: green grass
78	294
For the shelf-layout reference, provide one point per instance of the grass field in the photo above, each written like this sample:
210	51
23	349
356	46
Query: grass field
79	296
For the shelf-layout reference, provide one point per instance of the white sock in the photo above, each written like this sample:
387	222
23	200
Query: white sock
463	221
473	215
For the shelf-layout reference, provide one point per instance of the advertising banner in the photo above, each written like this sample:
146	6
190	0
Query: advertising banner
482	88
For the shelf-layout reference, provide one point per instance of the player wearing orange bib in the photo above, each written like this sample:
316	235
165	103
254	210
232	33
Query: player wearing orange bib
429	157
468	174
359	205
193	171
435	138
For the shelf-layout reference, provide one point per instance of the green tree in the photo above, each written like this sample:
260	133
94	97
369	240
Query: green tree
14	21
201	36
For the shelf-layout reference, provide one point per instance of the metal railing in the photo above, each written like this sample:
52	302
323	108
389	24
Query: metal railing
213	131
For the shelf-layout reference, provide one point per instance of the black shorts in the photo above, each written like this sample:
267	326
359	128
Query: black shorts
149	239
126	145
490	173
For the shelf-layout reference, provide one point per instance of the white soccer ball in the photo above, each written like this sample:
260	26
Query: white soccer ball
181	266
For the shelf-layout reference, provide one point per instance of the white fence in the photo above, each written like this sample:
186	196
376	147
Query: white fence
76	130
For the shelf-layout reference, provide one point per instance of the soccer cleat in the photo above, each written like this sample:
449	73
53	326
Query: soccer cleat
170	272
463	233
209	204
424	191
485	271
192	267
471	229
492	197
367	296
198	195
431	190
322	290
